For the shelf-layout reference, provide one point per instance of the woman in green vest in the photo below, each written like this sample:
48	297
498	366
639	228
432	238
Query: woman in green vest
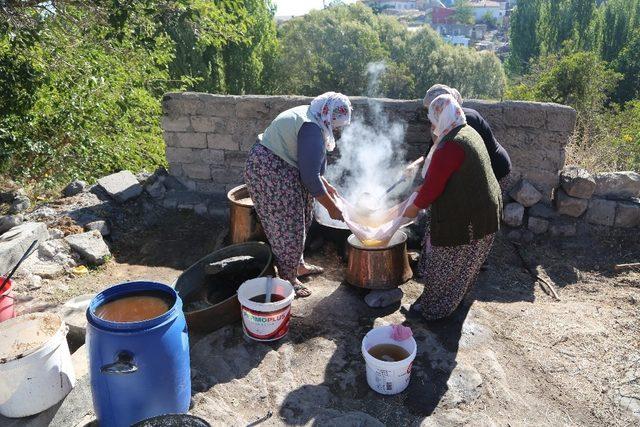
465	200
284	173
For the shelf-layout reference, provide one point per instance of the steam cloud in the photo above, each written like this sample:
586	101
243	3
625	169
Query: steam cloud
371	155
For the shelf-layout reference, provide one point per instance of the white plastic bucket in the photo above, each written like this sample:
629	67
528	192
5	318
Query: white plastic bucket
387	377
35	364
265	321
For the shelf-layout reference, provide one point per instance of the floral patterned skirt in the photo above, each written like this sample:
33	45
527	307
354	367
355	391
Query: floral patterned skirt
283	204
448	274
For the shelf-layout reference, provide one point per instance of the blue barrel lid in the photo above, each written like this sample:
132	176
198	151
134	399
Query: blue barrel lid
123	289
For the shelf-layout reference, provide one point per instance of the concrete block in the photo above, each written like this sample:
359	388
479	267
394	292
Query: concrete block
627	214
601	212
538	225
122	186
197	170
235	158
221	142
176	123
186	139
570	206
512	214
207	124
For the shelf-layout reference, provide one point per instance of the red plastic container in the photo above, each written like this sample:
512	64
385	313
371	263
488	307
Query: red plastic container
7	309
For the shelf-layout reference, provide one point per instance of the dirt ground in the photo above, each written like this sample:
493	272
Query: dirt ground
510	355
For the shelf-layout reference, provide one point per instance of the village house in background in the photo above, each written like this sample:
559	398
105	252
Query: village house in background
485	29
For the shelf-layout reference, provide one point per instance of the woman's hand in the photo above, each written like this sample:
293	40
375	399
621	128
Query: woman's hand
411	211
328	203
331	191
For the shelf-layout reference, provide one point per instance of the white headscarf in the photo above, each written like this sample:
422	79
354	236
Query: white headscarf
437	90
445	115
331	110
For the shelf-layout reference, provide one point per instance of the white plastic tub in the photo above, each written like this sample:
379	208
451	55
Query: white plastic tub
265	321
36	371
387	377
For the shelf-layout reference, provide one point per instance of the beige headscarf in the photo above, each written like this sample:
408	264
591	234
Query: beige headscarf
437	90
445	115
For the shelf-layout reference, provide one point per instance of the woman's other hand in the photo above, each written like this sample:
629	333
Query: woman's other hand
411	211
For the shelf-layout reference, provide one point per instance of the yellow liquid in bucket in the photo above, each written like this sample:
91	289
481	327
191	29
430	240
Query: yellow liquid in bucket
372	243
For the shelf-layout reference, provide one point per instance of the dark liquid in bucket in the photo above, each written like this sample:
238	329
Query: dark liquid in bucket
262	298
388	352
134	307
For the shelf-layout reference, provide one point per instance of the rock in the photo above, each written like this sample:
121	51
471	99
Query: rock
617	185
601	212
352	419
627	214
55	233
20	204
73	313
563	229
74	187
542	210
525	194
527	236
577	182
143	177
200	209
43	212
122	186
15	242
90	246
99	225
7	222
538	225
570	206
174	184
514	235
383	298
156	189
512	214
51	260
463	385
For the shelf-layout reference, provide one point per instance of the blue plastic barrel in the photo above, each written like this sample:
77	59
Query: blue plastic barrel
138	369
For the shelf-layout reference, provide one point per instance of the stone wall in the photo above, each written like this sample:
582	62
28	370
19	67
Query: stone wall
208	136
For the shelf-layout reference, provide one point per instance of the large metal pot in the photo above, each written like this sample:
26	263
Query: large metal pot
244	225
378	268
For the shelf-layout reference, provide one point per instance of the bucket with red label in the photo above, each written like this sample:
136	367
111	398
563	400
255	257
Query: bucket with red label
262	320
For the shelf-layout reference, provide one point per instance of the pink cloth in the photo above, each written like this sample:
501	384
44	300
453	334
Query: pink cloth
401	333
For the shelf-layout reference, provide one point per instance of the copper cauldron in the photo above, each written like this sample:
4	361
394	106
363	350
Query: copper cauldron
378	268
244	225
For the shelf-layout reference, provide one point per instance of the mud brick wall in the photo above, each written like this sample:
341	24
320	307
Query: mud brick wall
207	136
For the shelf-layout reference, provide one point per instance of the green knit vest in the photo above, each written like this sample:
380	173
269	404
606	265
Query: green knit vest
471	198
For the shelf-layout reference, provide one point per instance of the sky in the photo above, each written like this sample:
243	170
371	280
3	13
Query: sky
298	7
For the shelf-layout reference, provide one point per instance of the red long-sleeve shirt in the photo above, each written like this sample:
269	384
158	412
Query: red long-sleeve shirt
445	161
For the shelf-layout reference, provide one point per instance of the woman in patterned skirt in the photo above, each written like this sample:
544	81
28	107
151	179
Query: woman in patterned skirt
465	200
284	173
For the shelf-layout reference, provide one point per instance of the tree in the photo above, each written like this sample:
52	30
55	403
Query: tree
489	20
523	35
628	64
464	12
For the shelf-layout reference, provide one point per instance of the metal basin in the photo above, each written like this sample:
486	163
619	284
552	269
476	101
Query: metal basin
211	302
378	268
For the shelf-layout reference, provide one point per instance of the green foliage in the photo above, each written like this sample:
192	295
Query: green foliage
581	80
82	82
330	50
523	35
489	20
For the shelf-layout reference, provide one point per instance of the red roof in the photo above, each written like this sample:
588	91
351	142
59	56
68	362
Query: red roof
442	15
